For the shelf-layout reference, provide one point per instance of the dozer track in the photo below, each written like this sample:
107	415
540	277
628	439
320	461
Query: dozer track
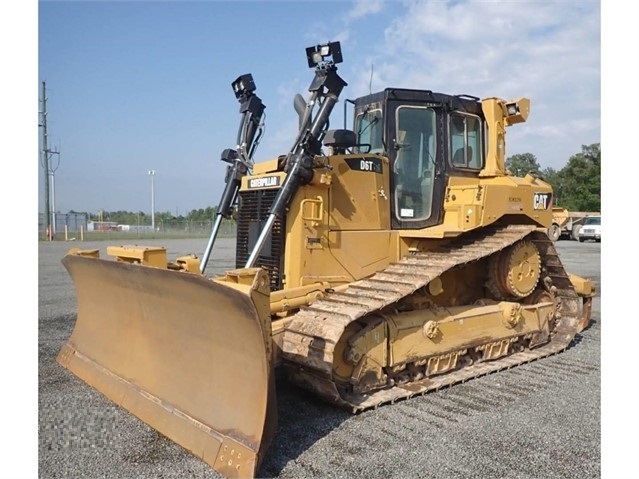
310	339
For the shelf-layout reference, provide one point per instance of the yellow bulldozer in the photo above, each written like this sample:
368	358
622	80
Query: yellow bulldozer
372	265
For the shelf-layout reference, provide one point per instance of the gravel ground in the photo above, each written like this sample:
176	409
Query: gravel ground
539	420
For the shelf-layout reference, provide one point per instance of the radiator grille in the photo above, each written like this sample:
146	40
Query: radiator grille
253	207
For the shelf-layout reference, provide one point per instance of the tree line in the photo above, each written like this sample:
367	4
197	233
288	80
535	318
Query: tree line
201	215
577	187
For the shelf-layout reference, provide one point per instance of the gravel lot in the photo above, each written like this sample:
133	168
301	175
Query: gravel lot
539	420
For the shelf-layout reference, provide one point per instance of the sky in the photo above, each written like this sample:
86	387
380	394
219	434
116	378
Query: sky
139	86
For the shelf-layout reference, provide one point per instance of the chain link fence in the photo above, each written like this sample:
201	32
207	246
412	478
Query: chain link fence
76	226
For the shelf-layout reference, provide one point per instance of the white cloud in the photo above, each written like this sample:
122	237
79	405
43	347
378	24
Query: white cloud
547	51
362	8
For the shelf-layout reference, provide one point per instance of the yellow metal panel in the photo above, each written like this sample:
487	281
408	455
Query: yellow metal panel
361	253
263	167
146	255
359	200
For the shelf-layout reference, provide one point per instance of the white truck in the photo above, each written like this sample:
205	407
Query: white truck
590	230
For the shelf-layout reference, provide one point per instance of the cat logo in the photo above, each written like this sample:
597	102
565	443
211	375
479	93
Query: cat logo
264	182
542	201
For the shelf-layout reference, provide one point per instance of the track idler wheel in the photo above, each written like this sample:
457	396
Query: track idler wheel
515	271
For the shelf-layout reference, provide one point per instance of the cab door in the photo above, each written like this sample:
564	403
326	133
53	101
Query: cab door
417	175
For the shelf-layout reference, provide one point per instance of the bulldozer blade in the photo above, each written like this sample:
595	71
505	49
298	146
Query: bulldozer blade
187	355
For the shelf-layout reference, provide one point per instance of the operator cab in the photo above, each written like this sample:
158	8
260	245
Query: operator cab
427	137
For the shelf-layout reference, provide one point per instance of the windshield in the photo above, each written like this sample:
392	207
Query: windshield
368	126
593	221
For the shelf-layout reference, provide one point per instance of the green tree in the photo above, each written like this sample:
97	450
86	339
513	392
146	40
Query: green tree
550	175
206	214
580	180
523	163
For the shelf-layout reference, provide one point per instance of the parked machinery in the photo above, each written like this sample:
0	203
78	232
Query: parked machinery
372	265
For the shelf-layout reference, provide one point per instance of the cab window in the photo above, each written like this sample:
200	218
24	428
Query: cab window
369	129
465	141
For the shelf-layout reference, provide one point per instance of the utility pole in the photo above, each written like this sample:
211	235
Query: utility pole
152	174
52	171
45	157
44	160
